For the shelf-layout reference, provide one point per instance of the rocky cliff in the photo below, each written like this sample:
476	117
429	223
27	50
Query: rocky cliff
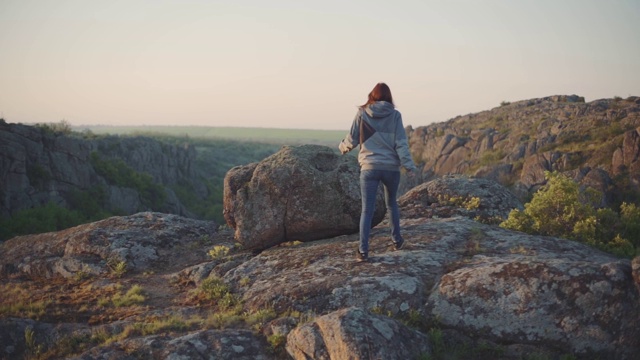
124	174
596	143
158	286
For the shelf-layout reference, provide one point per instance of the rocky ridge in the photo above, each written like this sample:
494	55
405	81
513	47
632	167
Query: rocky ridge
596	143
460	287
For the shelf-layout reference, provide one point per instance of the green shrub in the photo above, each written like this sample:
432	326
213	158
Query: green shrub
38	176
118	173
219	252
491	157
620	247
33	348
84	206
133	296
413	318
118	268
561	209
63	127
260	317
221	319
49	217
90	202
277	343
630	219
466	202
519	221
214	288
437	340
557	207
17	302
208	207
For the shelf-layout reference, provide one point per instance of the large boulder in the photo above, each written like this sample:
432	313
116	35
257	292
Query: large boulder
474	198
303	193
352	333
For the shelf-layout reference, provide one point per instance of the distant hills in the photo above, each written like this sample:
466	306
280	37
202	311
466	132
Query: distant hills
268	135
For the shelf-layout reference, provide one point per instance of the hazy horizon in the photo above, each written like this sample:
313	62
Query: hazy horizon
304	65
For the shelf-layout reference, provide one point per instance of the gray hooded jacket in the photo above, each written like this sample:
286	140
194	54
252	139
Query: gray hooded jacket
384	142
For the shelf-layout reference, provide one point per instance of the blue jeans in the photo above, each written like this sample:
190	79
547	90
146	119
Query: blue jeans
369	181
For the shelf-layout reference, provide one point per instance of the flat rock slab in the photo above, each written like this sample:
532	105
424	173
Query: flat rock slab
140	241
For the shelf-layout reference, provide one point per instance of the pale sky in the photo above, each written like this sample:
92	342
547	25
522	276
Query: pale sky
305	64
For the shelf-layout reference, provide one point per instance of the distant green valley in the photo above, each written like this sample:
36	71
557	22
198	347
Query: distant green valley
263	135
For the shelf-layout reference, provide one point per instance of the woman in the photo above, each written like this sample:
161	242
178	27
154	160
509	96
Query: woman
378	129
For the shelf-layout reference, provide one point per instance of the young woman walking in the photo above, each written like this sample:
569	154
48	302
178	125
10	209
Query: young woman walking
384	149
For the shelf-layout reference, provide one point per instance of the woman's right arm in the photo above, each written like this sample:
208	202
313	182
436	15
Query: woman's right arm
353	137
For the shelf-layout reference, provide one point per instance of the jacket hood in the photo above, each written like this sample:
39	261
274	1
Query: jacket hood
379	109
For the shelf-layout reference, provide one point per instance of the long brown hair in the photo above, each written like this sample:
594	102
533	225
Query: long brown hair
380	92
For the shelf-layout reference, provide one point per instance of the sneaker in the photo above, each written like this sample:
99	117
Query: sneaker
399	245
360	257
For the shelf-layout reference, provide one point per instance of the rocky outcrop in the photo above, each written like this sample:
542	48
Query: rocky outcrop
137	241
474	198
626	159
302	193
491	283
528	293
38	166
517	142
354	333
